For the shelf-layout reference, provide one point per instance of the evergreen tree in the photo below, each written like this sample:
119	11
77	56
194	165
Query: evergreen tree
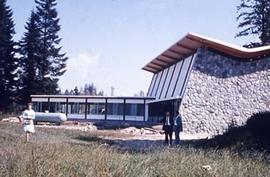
254	17
66	92
86	89
53	63
101	93
76	91
71	92
81	91
8	62
31	58
92	89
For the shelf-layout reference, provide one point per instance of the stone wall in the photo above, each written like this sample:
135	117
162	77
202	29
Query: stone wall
221	90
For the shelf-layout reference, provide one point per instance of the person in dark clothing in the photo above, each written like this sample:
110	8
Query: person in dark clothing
178	127
168	123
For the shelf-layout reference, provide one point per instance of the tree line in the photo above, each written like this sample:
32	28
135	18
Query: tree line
34	64
88	89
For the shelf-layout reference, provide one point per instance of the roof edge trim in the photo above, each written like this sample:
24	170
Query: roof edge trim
193	41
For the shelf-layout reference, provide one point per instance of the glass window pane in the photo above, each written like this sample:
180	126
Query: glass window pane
134	109
76	108
58	107
44	106
115	108
37	106
96	108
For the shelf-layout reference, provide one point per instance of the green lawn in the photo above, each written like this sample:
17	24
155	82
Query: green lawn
58	152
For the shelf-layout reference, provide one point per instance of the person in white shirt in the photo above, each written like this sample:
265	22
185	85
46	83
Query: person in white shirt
28	123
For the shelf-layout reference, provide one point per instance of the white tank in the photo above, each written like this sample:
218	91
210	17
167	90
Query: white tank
50	117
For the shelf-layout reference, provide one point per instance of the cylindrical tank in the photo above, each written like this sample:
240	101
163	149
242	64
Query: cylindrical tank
50	117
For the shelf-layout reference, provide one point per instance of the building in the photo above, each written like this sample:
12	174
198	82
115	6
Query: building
215	82
211	82
94	107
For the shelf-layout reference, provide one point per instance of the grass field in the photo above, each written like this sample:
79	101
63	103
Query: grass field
58	152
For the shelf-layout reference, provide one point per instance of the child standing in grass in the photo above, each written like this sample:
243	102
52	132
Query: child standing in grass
28	123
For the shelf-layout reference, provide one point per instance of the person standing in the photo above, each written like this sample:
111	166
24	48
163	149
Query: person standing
178	127
168	127
28	123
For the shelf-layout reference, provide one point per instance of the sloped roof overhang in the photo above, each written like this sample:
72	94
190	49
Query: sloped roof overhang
189	44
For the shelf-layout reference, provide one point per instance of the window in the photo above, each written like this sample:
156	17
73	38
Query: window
76	108
37	106
115	108
40	106
96	108
134	109
57	107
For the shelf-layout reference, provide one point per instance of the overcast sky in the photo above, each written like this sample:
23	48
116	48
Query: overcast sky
109	41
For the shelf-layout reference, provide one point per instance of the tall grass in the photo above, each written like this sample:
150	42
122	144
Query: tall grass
54	152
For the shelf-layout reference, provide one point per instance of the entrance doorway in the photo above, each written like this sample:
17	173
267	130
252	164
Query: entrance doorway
158	110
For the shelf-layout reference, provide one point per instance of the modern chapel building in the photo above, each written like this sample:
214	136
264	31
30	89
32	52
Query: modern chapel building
211	83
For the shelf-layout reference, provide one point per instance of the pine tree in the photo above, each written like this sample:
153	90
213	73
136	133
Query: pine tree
81	91
254	17
101	93
86	91
92	89
66	92
8	62
76	90
53	63
31	58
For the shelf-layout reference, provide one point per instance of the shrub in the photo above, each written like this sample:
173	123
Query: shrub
254	135
259	127
233	137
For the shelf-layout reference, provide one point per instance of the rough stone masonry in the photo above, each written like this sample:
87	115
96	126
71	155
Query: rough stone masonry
222	91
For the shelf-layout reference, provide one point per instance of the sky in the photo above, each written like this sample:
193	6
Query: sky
109	41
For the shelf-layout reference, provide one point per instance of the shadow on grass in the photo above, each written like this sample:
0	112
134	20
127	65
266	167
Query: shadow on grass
136	145
254	136
126	145
237	139
115	124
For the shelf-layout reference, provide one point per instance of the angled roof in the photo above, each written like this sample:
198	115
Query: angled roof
191	42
